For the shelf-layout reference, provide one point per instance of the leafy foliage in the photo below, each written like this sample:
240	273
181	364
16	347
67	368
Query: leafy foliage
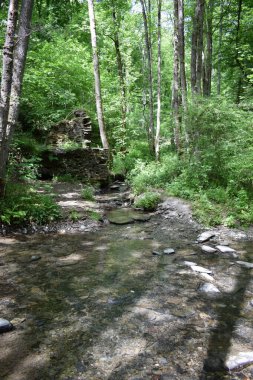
148	201
22	204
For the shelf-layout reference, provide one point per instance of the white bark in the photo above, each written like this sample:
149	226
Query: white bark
158	121
6	83
98	96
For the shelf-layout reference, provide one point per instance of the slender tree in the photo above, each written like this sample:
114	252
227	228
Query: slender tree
159	74
99	104
219	48
146	16
176	98
23	36
208	51
120	68
6	83
197	47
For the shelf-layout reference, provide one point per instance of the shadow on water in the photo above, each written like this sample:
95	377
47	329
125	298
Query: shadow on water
228	309
68	308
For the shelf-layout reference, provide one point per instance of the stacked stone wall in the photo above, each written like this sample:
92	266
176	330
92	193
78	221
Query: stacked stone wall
90	164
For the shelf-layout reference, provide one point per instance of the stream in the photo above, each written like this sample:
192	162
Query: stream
111	305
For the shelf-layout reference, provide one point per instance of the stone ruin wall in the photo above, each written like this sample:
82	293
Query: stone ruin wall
87	165
84	163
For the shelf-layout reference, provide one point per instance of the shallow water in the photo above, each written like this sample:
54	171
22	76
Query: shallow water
102	306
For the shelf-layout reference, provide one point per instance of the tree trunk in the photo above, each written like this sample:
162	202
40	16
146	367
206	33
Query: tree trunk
24	32
207	72
181	52
176	100
197	47
240	79
6	83
98	96
159	74
150	75
219	49
120	74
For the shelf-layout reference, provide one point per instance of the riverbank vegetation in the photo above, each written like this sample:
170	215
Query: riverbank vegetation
176	91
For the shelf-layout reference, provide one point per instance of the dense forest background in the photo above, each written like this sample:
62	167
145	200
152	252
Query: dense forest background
176	87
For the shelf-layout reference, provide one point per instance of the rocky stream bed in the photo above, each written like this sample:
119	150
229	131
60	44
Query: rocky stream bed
132	296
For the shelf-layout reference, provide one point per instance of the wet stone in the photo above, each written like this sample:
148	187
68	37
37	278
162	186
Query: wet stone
245	264
5	325
238	360
197	268
169	251
156	253
208	288
205	236
225	249
35	258
208	249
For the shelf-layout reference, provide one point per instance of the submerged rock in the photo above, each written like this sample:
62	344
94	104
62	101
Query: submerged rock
238	360
225	249
245	264
208	288
207	235
197	268
5	325
208	249
169	251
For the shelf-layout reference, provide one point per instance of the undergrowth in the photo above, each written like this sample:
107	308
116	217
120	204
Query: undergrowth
22	204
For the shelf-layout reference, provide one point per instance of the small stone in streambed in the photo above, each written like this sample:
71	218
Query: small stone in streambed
5	325
35	258
156	253
208	249
197	268
245	264
208	288
239	360
169	251
189	263
225	249
205	236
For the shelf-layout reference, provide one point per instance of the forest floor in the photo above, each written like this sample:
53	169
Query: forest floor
94	300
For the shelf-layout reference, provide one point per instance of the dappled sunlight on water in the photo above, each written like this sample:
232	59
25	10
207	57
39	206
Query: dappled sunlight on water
102	306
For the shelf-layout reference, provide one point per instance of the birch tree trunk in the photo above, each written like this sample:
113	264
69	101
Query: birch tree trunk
150	74
176	101
99	104
6	83
219	49
24	32
158	121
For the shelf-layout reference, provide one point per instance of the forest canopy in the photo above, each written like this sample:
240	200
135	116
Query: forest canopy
176	89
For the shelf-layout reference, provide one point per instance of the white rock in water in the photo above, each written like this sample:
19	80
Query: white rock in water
245	264
5	325
189	263
196	268
169	251
205	236
225	249
241	359
208	249
206	277
208	288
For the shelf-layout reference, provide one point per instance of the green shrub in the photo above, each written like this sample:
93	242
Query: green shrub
87	193
153	174
148	201
22	204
